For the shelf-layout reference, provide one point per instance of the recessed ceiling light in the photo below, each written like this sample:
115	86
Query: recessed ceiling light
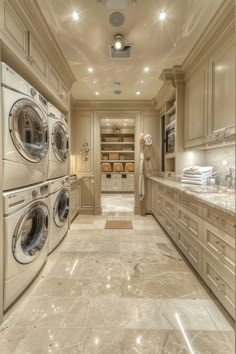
90	70
75	15
126	119
96	93
94	82
119	42
107	119
108	124
146	69
138	93
162	15
125	124
142	82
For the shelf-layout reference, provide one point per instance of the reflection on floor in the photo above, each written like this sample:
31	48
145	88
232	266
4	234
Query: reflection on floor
117	202
116	292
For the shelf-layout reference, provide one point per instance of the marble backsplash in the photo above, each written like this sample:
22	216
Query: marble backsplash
221	159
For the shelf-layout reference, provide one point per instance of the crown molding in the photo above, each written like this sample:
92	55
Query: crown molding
171	78
112	105
221	26
40	29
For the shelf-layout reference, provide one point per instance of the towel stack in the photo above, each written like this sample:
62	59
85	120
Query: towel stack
197	174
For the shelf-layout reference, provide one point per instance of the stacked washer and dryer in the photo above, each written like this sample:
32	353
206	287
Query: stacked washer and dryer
35	204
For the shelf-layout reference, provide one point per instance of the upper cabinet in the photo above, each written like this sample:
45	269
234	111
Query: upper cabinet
221	92
28	45
195	108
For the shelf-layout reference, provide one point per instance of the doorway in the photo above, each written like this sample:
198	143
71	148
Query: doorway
117	165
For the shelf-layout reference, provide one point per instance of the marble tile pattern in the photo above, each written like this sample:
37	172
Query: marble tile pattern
117	292
222	201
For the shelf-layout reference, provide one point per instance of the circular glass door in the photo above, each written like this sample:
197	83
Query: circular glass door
61	208
29	130
60	141
31	233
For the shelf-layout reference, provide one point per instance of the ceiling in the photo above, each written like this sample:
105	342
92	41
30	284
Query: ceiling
158	45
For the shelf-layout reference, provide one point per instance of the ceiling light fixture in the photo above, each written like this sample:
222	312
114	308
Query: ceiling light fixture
119	42
142	82
138	93
75	15
96	93
146	69
90	70
162	15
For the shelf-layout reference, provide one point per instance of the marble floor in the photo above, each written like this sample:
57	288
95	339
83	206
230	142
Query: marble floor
116	292
117	202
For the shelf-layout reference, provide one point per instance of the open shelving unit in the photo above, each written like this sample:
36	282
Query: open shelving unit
117	159
171	106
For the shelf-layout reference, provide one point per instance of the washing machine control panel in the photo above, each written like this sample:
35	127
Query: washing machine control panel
34	193
33	92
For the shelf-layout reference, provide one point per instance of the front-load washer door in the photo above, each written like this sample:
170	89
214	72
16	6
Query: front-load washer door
31	233
29	129
61	207
60	141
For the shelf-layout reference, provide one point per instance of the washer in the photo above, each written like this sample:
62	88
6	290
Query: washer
26	225
25	132
59	143
59	210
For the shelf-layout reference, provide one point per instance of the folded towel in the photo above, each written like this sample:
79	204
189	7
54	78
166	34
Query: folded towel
196	177
198	170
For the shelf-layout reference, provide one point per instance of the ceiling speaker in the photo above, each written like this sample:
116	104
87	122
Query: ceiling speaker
116	19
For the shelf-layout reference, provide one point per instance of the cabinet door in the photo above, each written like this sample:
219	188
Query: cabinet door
195	116
37	58
14	28
87	193
63	93
221	102
54	80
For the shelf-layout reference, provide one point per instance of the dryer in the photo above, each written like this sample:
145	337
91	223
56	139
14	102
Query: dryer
26	226
59	210
58	143
25	132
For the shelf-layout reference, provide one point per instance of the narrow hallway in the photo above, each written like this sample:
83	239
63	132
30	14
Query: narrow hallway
116	292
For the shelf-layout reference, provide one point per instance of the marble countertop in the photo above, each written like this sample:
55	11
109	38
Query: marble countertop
223	201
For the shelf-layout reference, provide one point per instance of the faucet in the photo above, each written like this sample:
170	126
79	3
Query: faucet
230	178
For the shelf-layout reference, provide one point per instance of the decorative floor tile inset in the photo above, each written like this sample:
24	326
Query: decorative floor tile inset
118	224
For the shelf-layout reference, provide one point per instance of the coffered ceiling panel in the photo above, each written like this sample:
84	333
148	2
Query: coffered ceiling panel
155	44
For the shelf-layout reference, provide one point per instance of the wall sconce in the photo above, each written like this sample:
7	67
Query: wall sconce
84	151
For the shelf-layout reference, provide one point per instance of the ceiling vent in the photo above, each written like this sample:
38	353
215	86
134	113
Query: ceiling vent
124	53
117	92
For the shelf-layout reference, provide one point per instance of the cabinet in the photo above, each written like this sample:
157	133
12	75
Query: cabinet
221	99
87	195
117	182
195	108
205	235
26	45
74	198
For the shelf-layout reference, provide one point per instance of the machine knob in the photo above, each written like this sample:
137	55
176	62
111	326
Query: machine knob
32	92
34	193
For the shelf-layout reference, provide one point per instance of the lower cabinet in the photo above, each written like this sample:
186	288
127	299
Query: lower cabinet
87	195
222	285
74	199
190	248
205	235
117	182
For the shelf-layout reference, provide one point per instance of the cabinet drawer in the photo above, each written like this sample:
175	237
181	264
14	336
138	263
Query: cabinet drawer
221	245
190	203
221	285
191	249
170	209
190	222
170	227
160	201
159	215
225	222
